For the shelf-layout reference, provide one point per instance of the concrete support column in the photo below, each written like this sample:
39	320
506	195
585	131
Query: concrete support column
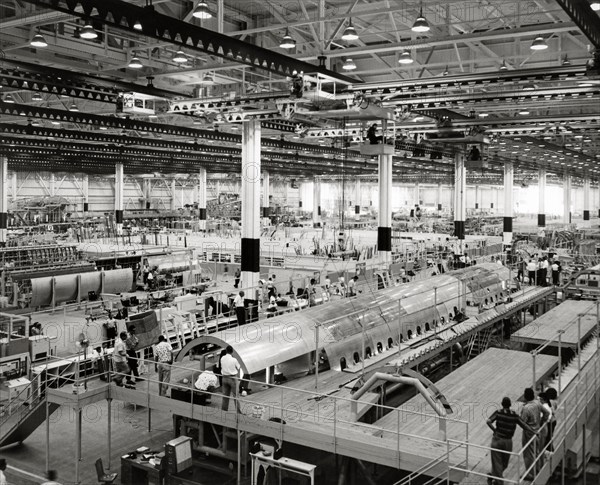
477	195
509	172
202	198
119	179
567	199
316	201
3	200
358	201
586	199
52	184
250	203
173	195
384	231
439	196
14	187
417	194
85	183
460	198
266	209
147	189
542	197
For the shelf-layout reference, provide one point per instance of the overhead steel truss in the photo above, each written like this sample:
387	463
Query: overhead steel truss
584	18
33	77
124	16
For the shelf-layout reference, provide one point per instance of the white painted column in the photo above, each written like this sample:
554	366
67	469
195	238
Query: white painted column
477	196
202	198
250	203
52	184
460	198
384	231
119	198
509	172
173	194
147	189
15	187
439	196
316	201
3	200
567	199
358	201
586	199
266	209
85	188
542	197
417	194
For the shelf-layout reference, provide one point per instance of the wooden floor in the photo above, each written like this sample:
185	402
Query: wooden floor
562	317
474	391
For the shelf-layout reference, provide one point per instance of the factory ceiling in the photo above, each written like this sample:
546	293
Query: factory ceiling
526	74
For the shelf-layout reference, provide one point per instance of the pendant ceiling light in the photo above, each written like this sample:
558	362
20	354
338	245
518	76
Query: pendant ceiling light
405	58
201	11
503	66
287	42
38	41
88	32
180	57
135	63
36	97
595	4
566	61
208	78
350	32
421	24
8	98
137	25
73	107
539	44
349	65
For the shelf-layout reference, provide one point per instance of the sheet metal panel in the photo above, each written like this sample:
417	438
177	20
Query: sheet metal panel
90	282
118	280
41	291
65	288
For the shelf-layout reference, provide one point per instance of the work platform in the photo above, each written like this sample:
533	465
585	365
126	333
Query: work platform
544	330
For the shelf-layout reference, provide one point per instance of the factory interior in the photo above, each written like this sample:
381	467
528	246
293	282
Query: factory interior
299	242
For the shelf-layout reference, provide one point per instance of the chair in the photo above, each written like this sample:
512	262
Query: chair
104	477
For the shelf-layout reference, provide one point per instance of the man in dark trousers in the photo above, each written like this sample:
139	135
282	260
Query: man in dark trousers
240	309
506	421
372	135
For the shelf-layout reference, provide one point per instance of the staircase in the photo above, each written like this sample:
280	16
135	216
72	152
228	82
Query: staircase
27	410
479	343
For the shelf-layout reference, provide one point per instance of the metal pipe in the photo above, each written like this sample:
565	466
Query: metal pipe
109	437
560	332
579	343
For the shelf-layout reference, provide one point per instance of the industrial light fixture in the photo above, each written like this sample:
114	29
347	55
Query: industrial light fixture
595	5
201	11
8	98
137	25
73	107
503	66
350	32
288	42
36	97
88	32
539	44
349	65
405	58
446	72
180	57
135	63
421	24
55	122
208	78
523	111
38	41
566	61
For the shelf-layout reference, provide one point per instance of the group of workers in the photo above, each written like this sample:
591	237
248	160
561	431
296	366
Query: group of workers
540	271
538	421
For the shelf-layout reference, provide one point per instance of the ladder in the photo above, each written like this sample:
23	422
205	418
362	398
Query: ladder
479	342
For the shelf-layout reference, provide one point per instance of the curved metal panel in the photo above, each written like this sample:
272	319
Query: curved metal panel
118	280
280	339
65	288
41	291
90	282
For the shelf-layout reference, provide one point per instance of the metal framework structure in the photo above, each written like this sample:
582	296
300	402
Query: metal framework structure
474	70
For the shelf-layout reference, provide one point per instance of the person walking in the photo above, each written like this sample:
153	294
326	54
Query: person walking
230	370
111	329
131	344
163	356
119	356
555	272
236	277
503	423
240	309
535	415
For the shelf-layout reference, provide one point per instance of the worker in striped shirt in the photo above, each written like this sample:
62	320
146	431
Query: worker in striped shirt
505	421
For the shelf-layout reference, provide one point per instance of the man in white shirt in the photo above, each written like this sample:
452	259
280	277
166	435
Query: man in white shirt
206	383
3	480
163	355
531	271
230	369
119	357
240	309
